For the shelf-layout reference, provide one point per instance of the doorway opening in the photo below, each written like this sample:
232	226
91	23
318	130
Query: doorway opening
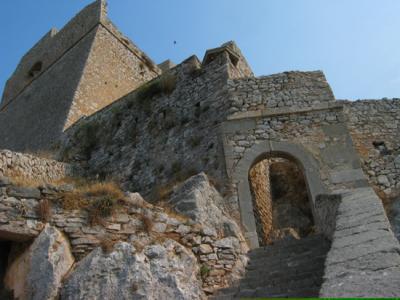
280	200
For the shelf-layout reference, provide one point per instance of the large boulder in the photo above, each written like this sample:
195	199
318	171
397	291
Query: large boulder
37	272
197	199
163	271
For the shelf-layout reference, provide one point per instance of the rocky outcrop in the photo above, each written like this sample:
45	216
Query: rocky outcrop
177	257
197	199
37	273
165	271
200	201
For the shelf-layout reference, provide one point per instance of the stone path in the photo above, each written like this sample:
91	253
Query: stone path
288	268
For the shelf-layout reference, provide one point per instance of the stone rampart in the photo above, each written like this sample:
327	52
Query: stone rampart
176	114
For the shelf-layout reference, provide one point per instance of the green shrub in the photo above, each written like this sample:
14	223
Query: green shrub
194	141
176	167
204	271
87	135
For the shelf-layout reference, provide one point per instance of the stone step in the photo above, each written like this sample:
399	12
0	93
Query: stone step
287	243
289	287
296	246
290	259
281	280
290	264
288	268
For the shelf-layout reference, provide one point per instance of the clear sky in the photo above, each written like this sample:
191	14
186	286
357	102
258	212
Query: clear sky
355	42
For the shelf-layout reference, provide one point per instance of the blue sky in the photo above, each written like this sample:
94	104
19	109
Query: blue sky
355	42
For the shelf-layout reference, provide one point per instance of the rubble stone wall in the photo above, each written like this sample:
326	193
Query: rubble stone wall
32	167
375	129
260	184
293	90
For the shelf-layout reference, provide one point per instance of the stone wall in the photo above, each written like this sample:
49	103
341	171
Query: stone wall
374	126
113	68
309	129
79	70
290	90
32	167
163	132
260	186
51	48
364	257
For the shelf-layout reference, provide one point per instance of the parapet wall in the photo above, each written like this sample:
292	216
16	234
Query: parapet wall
32	167
290	90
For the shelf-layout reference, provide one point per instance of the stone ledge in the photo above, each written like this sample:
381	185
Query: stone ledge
269	112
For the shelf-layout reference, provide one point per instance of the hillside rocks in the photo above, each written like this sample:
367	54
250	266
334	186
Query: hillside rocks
165	271
37	273
197	199
177	257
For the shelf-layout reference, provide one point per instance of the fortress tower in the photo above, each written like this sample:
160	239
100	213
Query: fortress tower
69	74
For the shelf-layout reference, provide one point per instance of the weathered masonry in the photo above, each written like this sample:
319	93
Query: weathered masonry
90	95
67	75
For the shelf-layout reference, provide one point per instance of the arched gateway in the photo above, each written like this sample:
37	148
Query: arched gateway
266	149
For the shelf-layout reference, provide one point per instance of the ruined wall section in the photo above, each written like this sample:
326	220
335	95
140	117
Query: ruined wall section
375	129
32	167
289	90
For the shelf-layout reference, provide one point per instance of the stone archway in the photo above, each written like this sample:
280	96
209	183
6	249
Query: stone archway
259	151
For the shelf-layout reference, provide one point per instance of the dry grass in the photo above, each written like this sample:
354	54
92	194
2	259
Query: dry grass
19	179
147	223
44	210
171	212
43	154
216	183
138	246
107	244
100	199
163	192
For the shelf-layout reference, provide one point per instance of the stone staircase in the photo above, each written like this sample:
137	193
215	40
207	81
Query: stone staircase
288	268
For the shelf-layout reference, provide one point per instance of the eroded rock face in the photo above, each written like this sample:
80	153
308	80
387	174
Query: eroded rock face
164	271
200	201
37	272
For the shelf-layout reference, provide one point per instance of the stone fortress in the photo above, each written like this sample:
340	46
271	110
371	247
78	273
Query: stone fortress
312	181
